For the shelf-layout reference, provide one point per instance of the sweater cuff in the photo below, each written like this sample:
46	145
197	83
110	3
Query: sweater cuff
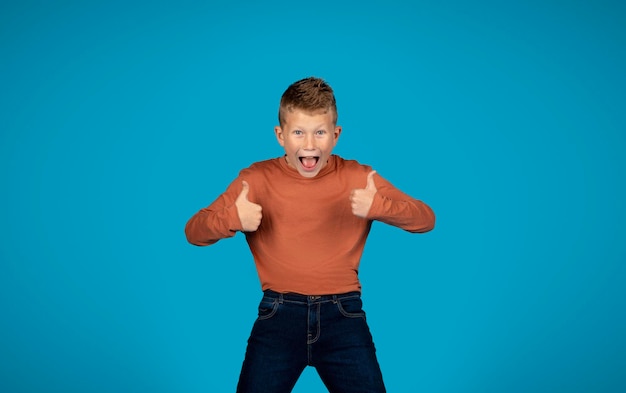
233	219
377	209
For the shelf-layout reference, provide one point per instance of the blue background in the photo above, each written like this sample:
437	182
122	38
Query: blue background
120	120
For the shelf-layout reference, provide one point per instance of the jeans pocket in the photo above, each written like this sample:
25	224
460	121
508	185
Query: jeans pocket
267	308
351	307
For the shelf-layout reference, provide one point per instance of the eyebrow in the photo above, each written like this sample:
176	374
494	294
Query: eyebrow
316	128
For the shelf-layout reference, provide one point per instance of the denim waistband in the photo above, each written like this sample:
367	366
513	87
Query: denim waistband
296	297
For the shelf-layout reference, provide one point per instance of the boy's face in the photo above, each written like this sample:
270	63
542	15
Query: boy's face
308	139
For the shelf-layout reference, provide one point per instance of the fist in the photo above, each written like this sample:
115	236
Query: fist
250	214
361	199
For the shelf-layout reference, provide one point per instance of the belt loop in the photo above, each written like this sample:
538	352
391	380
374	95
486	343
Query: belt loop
334	299
280	298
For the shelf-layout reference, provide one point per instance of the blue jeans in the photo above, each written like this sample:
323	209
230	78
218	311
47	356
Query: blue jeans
327	332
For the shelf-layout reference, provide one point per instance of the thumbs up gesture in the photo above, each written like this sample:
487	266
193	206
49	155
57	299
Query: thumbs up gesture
362	198
249	213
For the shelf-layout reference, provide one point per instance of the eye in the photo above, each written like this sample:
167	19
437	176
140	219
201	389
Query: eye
297	132
320	132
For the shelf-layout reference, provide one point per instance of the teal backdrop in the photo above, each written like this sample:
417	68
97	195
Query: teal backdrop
120	119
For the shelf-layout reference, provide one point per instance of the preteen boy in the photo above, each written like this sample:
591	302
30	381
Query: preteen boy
306	216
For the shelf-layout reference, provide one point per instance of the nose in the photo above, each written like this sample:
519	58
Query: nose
309	142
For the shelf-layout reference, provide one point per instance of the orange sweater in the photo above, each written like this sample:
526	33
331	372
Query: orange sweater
309	242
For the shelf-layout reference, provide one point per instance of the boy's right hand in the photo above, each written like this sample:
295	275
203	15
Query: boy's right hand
249	213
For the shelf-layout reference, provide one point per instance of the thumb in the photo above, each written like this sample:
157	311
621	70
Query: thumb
244	190
370	181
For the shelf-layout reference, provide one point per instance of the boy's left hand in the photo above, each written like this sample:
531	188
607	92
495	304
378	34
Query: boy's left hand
362	198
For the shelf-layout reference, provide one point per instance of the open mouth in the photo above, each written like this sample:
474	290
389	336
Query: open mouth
309	162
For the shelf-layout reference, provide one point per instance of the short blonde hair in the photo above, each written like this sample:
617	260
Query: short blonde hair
311	95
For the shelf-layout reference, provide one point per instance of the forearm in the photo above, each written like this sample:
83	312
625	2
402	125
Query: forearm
211	224
406	213
393	207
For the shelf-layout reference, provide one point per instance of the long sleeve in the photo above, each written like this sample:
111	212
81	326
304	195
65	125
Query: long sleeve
396	208
217	221
309	240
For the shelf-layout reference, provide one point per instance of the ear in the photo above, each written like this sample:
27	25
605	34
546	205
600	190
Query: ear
279	135
336	134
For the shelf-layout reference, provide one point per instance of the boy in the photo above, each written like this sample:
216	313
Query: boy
306	216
